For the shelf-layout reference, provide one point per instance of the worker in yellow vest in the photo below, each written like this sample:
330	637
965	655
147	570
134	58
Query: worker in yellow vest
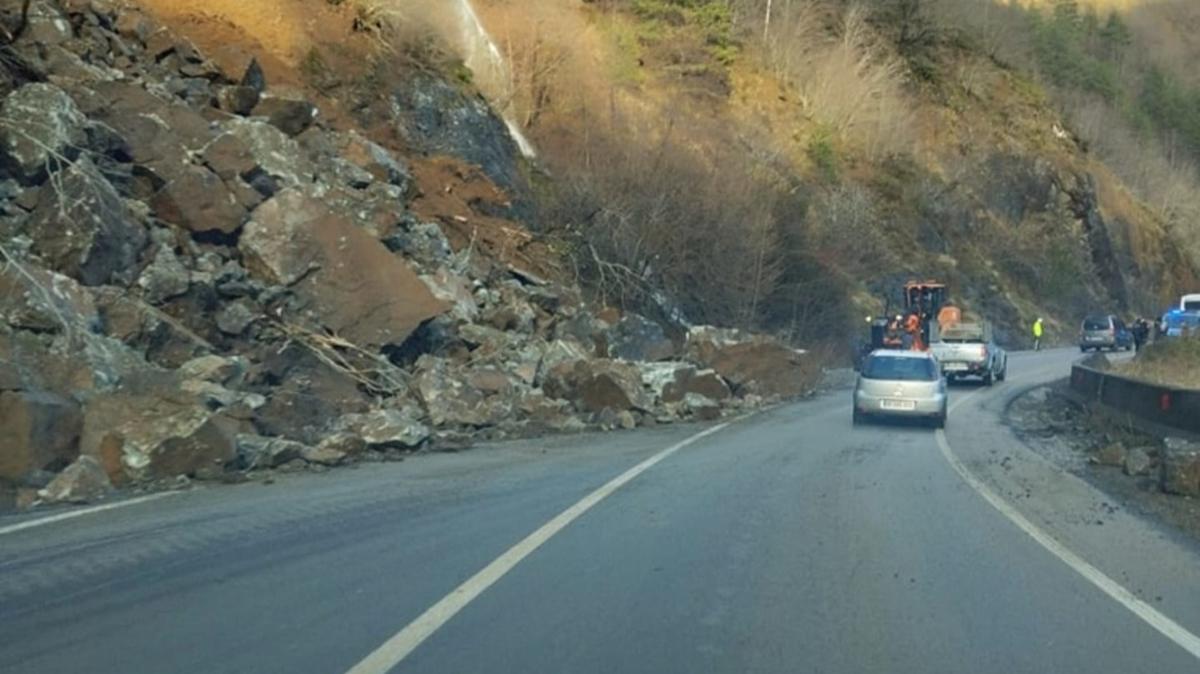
1038	330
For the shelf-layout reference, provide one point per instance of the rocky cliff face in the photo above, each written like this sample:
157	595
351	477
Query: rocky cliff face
203	277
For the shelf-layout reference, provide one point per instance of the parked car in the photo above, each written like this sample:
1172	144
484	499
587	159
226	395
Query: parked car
905	384
1105	332
1184	319
969	350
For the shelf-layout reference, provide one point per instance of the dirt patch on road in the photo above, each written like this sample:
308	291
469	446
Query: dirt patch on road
1098	447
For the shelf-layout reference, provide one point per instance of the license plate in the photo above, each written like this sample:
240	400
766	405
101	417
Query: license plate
906	405
954	367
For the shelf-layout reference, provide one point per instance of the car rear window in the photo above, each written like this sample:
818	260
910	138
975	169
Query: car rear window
1193	305
1096	324
899	369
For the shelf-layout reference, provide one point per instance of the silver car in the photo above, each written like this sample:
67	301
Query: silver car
900	384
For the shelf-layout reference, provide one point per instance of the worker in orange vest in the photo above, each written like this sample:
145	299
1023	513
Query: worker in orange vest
912	325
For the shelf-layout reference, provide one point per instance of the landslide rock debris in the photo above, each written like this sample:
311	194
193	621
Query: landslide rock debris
201	277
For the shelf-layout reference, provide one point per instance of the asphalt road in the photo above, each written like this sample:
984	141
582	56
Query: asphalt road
787	542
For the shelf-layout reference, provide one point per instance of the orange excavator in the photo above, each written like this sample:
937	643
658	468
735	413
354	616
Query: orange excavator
926	311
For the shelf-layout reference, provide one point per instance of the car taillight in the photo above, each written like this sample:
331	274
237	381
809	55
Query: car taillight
983	351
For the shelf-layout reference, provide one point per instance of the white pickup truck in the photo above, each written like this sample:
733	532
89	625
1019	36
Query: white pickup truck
968	350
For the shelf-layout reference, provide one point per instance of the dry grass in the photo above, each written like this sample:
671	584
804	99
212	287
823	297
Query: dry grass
1169	363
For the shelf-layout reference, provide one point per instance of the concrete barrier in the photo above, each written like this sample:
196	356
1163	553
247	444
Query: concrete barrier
1161	405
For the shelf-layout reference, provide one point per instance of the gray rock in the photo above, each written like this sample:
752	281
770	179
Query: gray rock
238	100
1137	462
290	116
455	397
437	117
198	200
596	385
1112	454
256	453
324	456
215	369
558	352
164	278
701	407
387	428
39	122
635	338
348	444
455	291
424	242
279	157
40	430
1181	467
254	77
84	229
375	160
233	319
83	481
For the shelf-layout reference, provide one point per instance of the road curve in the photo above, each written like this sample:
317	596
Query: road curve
788	542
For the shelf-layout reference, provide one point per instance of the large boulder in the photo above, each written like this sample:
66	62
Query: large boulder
255	452
38	123
83	481
1137	462
32	298
304	394
350	282
597	385
559	352
197	200
279	157
159	135
635	338
84	229
157	433
1181	467
381	429
454	397
40	431
672	382
753	364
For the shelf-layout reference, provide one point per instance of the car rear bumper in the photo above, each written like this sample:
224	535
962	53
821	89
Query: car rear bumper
884	406
1097	344
968	368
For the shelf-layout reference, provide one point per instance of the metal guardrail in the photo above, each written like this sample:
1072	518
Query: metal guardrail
1162	405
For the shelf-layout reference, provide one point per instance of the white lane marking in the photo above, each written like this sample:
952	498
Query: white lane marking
70	515
1152	616
397	648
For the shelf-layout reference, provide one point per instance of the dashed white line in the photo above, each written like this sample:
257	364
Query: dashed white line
72	514
1150	615
397	648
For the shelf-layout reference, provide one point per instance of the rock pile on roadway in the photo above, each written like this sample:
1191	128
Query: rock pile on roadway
202	278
